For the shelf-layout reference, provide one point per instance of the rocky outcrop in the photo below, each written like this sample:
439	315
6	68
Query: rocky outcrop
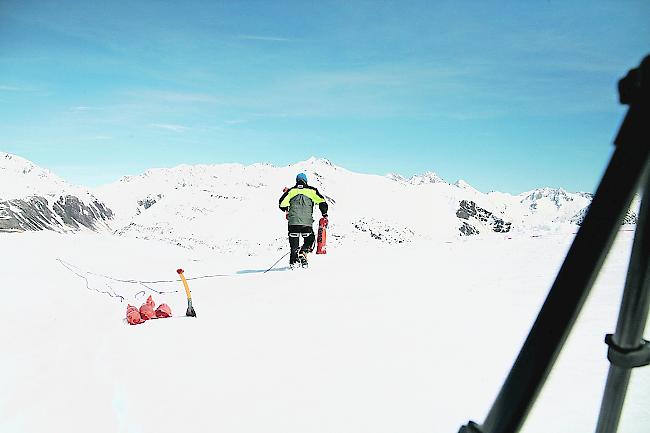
468	229
383	232
148	202
29	214
629	218
475	217
65	214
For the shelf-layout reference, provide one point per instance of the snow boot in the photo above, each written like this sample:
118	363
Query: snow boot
302	257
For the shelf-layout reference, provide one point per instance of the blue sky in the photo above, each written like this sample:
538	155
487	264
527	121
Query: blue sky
508	95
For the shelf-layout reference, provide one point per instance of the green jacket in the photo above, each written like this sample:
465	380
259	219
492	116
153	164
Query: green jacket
299	201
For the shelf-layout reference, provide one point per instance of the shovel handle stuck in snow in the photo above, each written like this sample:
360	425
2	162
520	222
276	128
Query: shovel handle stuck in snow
190	310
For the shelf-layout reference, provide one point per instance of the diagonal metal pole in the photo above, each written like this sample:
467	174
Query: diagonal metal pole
581	266
631	321
627	348
569	292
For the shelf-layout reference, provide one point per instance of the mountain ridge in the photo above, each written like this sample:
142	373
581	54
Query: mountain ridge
33	198
221	206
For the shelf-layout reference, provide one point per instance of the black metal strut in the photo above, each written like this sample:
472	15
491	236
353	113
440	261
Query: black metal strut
626	172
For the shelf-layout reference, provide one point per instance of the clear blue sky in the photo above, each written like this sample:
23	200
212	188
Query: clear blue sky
508	95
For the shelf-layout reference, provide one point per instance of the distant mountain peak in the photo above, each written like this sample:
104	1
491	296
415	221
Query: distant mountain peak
556	195
460	183
4	156
425	178
547	190
19	165
396	177
557	198
316	160
33	198
20	178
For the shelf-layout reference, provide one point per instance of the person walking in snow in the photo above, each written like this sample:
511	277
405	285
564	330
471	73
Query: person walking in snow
298	202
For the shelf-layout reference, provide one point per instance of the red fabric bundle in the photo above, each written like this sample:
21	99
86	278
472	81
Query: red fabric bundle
133	315
146	312
163	311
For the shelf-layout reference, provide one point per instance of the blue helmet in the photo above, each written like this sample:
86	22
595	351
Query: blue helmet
302	177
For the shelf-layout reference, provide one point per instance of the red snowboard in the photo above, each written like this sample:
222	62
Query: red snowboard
322	236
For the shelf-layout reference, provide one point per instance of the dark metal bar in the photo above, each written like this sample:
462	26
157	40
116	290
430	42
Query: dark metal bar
636	297
571	287
612	405
628	166
632	319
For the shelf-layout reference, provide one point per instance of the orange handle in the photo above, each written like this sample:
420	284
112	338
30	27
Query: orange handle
187	287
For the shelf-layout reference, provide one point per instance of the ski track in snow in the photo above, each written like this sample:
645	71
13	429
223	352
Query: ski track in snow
413	338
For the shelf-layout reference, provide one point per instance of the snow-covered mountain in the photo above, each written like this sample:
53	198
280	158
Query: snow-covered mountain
32	198
542	208
233	206
354	306
417	179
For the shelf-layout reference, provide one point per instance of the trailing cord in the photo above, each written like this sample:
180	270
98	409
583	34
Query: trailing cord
278	261
143	282
111	294
79	272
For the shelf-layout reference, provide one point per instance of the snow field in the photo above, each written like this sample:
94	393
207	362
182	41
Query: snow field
373	338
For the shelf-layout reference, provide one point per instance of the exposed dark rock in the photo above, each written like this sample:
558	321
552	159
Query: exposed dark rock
629	218
149	201
383	232
29	214
146	203
468	230
469	211
67	213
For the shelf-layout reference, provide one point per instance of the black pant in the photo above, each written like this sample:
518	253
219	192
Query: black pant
295	233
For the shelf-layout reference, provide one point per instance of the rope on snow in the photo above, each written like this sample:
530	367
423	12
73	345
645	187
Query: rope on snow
78	272
273	265
70	268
